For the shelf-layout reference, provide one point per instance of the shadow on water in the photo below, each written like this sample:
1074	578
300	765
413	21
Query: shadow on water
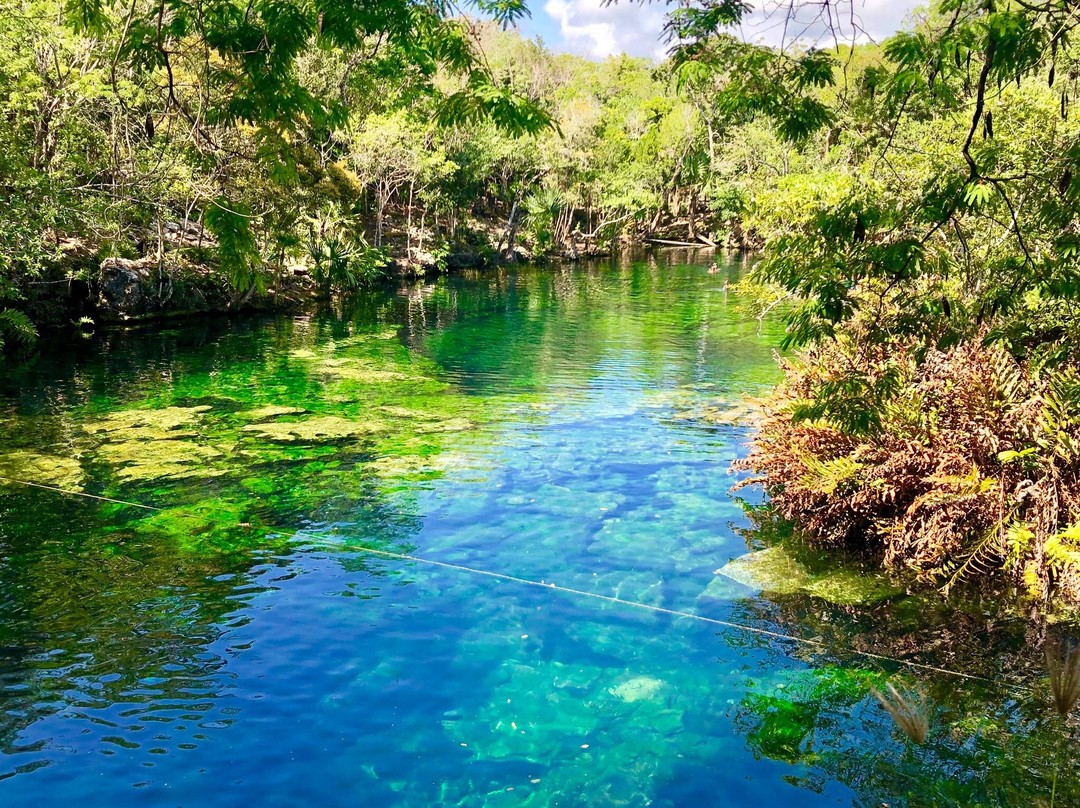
567	425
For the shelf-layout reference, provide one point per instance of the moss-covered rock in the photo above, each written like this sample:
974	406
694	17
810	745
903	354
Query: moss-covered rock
139	425
356	371
269	412
771	570
321	429
31	467
774	570
160	459
849	587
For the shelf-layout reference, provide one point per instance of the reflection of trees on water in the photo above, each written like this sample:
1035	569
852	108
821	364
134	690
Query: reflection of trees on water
550	328
100	608
88	622
104	605
993	740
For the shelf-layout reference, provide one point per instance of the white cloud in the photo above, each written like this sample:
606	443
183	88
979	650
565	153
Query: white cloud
817	22
591	28
596	29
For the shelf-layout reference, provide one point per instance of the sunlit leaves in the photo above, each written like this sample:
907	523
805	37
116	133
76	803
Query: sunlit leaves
978	194
16	326
230	222
480	100
88	16
815	68
700	21
505	12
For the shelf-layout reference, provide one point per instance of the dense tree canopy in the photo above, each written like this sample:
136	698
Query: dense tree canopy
248	138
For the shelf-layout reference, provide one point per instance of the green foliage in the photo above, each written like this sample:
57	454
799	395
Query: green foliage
230	223
16	326
185	133
918	208
345	265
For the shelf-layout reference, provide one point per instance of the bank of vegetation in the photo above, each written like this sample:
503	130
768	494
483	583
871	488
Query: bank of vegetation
925	234
187	156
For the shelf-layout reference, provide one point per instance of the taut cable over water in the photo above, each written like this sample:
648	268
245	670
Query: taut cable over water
566	590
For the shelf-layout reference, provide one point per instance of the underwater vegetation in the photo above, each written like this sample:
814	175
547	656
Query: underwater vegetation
222	617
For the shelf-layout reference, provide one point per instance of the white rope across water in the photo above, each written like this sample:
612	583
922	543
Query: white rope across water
321	540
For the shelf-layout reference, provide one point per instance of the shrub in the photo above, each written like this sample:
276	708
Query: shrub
969	467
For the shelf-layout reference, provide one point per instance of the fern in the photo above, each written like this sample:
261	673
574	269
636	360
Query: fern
16	325
981	561
1018	541
1009	378
949	488
1062	550
825	476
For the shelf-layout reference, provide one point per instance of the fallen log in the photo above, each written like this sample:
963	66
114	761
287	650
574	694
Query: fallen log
671	243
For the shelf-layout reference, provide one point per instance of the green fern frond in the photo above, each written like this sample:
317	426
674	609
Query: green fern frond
825	476
946	489
1062	550
18	326
980	561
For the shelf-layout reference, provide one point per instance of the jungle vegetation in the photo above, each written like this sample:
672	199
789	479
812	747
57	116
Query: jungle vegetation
261	141
926	236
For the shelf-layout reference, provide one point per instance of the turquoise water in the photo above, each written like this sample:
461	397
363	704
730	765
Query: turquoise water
239	643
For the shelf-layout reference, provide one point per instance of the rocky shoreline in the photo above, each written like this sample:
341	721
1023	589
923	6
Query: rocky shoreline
125	290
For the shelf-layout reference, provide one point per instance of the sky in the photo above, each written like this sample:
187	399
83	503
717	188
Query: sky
595	29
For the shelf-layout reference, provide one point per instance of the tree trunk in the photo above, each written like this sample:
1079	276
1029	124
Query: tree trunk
408	222
511	230
383	198
691	224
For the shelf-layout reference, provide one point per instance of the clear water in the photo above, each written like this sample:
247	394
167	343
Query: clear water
238	645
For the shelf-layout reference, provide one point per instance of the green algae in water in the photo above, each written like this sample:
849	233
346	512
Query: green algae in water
850	587
320	429
776	571
158	459
164	422
270	411
772	570
61	472
210	525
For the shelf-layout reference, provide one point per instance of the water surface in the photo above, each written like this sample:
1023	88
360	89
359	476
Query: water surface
235	642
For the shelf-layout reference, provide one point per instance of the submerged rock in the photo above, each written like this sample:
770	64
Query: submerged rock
640	688
159	459
153	444
165	423
354	370
771	570
775	571
323	429
721	587
31	467
848	588
270	411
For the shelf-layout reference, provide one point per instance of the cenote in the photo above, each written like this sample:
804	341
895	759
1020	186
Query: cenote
212	628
